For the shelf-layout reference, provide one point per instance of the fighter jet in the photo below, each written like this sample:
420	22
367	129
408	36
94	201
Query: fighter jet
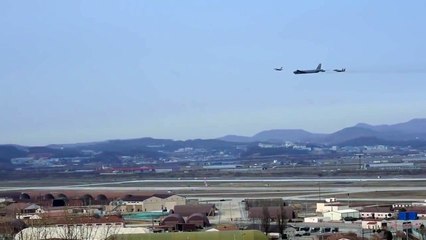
278	69
340	70
317	70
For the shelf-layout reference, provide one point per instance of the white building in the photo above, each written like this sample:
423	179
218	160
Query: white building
384	166
341	214
270	145
402	205
316	219
156	202
393	225
371	224
377	213
302	148
330	207
23	160
5	199
375	149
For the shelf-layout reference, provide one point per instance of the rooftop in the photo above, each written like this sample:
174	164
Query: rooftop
347	211
188	210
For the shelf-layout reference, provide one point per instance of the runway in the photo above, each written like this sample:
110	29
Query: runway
297	189
207	181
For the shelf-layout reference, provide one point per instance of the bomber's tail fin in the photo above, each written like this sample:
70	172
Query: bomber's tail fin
319	67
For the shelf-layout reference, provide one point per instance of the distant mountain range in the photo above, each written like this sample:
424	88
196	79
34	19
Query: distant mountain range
413	130
411	133
148	147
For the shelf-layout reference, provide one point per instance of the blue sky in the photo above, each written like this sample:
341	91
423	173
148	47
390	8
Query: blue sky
75	71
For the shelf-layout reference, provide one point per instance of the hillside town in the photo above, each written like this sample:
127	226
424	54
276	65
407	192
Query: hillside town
270	158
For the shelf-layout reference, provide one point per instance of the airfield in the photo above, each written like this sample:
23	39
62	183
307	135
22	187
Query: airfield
351	189
229	195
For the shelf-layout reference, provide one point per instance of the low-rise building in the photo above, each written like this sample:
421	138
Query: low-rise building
21	210
371	224
342	214
199	220
188	210
6	199
316	219
324	207
402	205
156	202
377	212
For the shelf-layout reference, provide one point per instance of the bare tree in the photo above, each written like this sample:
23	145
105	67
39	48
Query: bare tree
68	226
10	227
36	230
281	219
67	231
422	231
72	229
265	220
109	231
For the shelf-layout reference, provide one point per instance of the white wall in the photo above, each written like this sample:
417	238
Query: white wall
76	232
333	216
316	219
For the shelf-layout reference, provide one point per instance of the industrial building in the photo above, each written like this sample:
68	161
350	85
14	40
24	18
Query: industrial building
188	210
377	212
156	202
273	212
324	207
341	214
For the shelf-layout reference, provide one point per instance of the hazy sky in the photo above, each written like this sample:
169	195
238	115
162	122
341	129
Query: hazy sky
73	71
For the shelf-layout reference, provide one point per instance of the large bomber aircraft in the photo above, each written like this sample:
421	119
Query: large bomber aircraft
317	70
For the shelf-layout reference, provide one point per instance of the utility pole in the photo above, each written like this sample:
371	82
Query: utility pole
349	204
230	210
319	190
